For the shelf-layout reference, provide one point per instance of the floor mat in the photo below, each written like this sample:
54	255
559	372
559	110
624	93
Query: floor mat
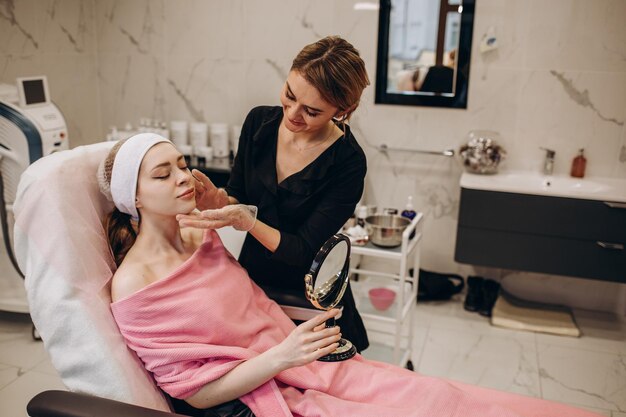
514	313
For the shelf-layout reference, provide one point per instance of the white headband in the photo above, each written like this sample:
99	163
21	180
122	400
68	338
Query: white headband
126	170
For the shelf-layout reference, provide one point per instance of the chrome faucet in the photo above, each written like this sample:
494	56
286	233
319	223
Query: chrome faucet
548	163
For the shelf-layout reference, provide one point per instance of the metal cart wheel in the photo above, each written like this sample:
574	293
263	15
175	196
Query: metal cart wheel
409	366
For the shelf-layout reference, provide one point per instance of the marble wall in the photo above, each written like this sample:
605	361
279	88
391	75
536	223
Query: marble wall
57	39
558	79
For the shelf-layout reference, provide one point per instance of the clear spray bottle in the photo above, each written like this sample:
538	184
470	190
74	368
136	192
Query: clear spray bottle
408	211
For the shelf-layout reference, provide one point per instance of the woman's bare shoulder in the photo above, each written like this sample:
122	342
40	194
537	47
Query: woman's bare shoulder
130	277
135	273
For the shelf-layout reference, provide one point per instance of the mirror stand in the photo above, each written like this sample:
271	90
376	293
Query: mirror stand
345	350
325	285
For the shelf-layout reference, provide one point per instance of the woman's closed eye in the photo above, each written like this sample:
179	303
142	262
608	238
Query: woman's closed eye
165	175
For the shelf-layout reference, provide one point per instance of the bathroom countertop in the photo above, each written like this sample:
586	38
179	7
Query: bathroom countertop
525	182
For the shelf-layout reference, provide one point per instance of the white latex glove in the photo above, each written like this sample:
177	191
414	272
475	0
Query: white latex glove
240	216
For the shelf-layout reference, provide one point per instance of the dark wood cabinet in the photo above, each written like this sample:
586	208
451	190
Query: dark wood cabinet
555	235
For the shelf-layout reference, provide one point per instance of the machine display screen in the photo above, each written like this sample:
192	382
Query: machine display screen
34	91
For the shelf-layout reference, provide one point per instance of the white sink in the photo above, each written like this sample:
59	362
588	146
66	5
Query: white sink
525	182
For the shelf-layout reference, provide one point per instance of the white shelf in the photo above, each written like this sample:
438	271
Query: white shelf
384	353
406	248
370	249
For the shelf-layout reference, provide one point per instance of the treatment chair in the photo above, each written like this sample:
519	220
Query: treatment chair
62	248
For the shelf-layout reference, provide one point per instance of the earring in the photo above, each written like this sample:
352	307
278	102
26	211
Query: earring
340	119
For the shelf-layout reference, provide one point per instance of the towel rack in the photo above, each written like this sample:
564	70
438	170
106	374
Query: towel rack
447	152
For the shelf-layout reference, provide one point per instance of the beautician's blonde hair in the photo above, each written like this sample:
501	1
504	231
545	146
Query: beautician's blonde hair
121	232
334	67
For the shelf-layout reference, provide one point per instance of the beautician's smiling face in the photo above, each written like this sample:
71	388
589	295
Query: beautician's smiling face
304	109
165	185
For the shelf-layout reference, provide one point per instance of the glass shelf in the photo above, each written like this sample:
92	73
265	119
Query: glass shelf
360	290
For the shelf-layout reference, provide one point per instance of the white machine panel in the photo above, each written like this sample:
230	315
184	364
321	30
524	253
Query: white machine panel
46	117
31	127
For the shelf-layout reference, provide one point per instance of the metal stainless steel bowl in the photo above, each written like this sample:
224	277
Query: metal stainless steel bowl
385	229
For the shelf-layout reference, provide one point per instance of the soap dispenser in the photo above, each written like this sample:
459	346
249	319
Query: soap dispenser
578	165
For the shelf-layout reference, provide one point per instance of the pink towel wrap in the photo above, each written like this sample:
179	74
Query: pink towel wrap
207	316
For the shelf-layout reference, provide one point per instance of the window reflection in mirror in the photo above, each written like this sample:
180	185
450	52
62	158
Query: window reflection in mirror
424	49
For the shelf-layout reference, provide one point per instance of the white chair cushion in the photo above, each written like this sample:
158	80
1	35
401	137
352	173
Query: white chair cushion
62	248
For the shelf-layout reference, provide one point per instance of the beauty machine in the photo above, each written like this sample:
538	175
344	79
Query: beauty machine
31	126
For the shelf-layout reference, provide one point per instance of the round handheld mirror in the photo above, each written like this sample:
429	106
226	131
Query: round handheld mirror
326	283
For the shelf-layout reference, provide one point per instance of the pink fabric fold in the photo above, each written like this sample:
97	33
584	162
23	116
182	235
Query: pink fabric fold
207	316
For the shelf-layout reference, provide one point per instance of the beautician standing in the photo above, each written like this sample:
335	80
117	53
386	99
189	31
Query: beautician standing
301	166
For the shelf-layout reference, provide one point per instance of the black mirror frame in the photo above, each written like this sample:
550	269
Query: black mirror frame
320	257
459	100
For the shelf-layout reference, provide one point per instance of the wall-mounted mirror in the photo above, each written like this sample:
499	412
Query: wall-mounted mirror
424	49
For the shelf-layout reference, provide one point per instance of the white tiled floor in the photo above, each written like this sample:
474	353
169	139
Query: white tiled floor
587	372
25	368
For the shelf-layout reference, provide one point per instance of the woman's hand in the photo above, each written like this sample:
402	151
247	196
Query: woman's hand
208	196
308	342
239	216
305	343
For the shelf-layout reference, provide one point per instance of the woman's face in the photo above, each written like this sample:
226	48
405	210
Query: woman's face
165	185
304	108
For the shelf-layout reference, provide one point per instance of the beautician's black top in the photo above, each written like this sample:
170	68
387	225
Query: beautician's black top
307	207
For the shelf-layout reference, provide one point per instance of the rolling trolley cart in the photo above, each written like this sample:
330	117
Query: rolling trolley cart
397	321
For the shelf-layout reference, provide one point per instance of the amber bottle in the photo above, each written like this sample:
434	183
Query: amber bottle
578	165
